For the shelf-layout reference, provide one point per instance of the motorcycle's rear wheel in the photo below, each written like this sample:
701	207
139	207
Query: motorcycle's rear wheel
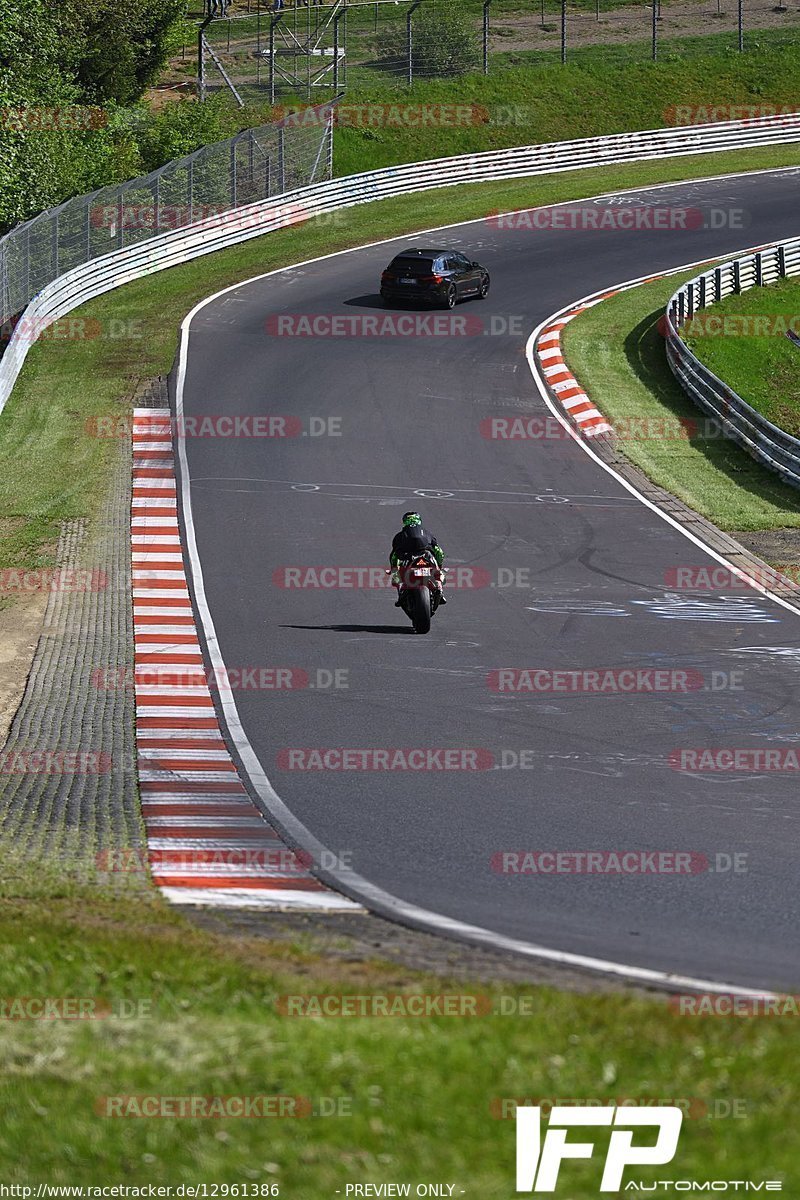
419	605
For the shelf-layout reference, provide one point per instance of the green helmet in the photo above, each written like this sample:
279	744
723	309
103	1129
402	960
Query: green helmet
411	518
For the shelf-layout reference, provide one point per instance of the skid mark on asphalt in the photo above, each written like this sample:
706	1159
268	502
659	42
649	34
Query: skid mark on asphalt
346	491
207	841
670	608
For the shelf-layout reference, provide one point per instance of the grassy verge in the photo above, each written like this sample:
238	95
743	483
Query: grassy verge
617	352
603	90
614	60
410	1099
531	98
673	50
618	90
751	351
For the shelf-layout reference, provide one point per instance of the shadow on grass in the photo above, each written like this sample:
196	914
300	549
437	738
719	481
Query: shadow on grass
645	352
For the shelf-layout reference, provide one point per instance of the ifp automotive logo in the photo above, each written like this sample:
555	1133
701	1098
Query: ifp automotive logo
539	1161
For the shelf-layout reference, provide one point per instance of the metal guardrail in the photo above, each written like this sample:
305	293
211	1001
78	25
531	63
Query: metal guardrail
772	446
254	165
92	278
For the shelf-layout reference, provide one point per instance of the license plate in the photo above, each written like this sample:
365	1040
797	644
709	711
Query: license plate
408	281
419	572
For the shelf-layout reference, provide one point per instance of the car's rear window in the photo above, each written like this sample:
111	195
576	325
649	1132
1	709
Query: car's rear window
412	266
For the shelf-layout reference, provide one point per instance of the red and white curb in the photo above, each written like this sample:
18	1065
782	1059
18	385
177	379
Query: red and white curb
562	383
207	841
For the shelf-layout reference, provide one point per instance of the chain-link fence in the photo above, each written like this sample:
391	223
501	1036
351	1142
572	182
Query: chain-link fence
254	165
304	49
607	30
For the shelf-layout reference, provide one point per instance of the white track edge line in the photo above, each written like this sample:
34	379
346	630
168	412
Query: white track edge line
349	880
577	436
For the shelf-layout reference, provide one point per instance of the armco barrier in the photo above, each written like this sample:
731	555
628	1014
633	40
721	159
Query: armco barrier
99	275
258	164
765	441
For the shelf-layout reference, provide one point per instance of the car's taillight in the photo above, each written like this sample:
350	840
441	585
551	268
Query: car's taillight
432	279
387	275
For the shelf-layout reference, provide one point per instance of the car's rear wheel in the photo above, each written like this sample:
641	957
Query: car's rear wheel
450	297
484	292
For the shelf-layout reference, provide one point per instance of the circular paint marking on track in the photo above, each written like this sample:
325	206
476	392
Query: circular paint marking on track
431	495
305	487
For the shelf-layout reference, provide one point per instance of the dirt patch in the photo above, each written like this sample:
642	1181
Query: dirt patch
361	945
21	623
778	547
633	23
160	98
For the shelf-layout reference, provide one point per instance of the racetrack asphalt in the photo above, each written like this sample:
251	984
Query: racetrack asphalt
573	574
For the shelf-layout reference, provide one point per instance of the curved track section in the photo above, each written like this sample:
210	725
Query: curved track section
570	571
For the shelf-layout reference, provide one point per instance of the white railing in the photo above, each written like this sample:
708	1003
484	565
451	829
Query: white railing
99	275
778	450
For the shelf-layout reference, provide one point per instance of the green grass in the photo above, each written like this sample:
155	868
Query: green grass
762	368
414	1095
618	91
609	89
617	353
672	50
418	1091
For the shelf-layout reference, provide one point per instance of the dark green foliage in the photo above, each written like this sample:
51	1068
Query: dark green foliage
65	71
445	41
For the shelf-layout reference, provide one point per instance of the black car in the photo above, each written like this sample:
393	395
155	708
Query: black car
437	276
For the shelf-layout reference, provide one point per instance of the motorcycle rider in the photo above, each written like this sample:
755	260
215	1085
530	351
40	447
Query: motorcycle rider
413	539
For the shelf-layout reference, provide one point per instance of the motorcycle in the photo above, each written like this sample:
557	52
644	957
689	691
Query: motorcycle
421	579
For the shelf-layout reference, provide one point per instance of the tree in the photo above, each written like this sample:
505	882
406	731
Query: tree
117	51
445	40
65	71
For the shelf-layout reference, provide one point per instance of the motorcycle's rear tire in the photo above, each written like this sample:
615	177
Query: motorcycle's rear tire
420	609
